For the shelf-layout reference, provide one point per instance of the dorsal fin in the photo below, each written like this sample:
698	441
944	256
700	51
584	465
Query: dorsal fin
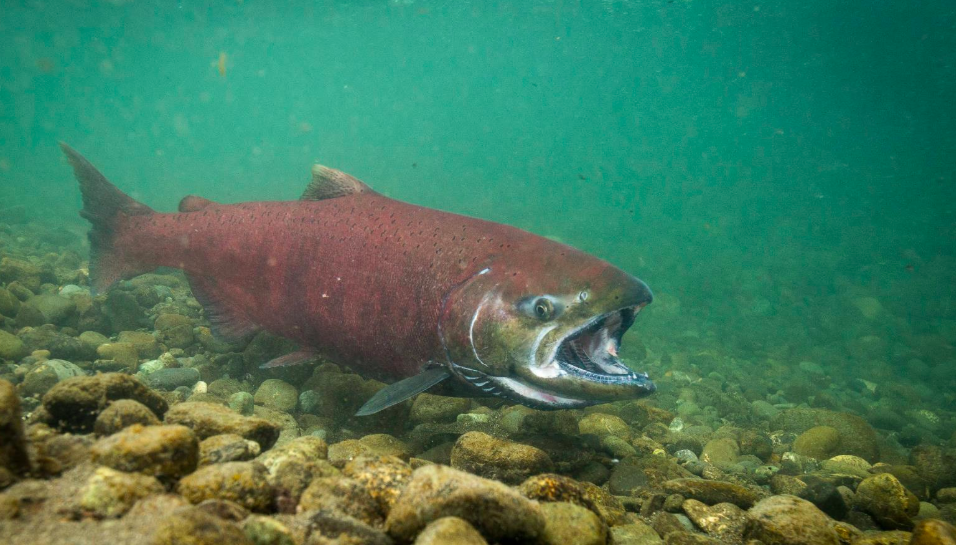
328	183
193	203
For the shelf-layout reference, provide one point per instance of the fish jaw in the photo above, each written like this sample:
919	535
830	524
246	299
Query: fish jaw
568	362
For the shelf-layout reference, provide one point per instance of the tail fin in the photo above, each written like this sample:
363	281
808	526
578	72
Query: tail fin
103	206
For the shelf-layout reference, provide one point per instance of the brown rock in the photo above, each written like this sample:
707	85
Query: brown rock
724	521
933	532
76	402
712	492
450	530
788	520
887	501
123	413
193	526
208	419
499	459
13	450
344	495
570	523
493	508
161	451
241	482
550	487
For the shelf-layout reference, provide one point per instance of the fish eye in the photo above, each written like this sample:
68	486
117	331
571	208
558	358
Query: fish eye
583	296
543	309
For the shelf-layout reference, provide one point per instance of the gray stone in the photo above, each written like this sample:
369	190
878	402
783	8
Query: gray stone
170	378
243	403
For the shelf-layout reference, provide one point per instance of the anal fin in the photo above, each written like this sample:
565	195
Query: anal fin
292	358
227	322
394	394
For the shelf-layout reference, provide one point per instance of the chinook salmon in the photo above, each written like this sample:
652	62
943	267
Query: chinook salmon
401	293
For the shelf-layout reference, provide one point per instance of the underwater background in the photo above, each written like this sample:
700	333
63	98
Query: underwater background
781	174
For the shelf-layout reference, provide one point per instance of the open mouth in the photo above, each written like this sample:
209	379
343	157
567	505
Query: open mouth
591	351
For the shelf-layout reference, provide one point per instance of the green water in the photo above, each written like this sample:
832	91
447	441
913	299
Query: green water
766	167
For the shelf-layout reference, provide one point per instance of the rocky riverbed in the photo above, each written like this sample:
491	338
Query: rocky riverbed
124	420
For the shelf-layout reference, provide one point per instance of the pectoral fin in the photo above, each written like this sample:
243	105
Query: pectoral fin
402	390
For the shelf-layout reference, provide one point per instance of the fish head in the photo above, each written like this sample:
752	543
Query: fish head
544	329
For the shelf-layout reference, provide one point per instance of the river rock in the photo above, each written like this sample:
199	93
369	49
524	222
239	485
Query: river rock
11	347
54	308
194	526
146	345
278	395
550	487
227	447
820	442
110	493
933	532
242	403
636	533
725	521
433	408
601	425
383	477
378	444
887	501
494	509
293	465
166	452
13	447
9	304
241	482
45	374
174	330
76	402
170	378
788	520
857	437
208	419
121	414
122	354
635	472
570	523
500	459
721	451
23	272
448	530
712	492
344	495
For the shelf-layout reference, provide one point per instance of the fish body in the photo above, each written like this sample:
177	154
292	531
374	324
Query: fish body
398	292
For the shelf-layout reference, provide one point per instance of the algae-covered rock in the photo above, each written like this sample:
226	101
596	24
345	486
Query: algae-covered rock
122	354
9	304
820	442
241	482
332	527
636	533
383	477
13	449
23	272
111	493
11	347
712	492
433	408
887	501
54	308
76	402
193	526
171	378
162	451
123	413
227	447
263	530
933	532
448	530
293	465
550	487
174	330
44	375
788	520
379	444
277	394
494	509
145	344
570	523
342	494
848	465
208	419
242	403
720	451
636	472
601	425
500	459
857	437
724	521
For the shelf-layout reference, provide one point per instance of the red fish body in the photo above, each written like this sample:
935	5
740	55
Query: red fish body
384	286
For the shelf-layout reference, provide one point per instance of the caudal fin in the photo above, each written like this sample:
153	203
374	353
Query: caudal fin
104	206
